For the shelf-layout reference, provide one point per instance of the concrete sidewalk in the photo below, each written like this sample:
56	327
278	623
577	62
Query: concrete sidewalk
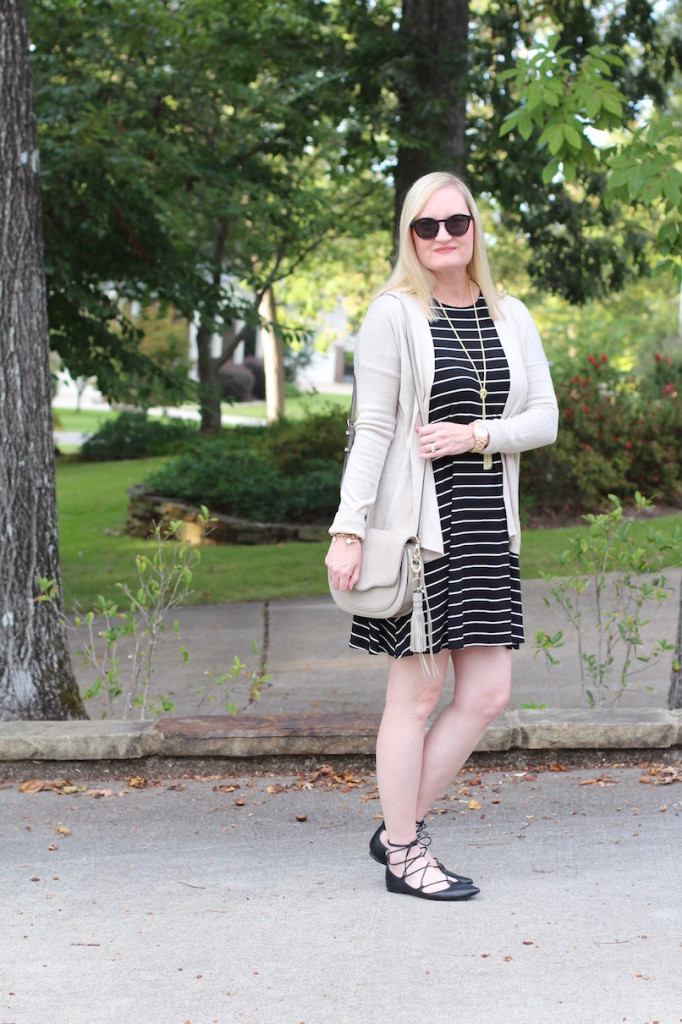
252	899
324	698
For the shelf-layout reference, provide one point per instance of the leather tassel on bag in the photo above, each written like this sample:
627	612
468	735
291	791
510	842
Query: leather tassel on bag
418	638
421	627
418	623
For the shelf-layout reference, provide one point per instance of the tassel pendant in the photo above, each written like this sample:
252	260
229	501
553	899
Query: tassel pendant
487	462
418	624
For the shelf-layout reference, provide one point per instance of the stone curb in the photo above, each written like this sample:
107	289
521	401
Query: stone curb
324	735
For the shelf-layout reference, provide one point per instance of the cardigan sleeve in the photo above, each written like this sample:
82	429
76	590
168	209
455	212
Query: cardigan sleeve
377	378
533	422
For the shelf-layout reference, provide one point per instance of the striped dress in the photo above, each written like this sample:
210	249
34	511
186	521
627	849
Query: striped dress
474	590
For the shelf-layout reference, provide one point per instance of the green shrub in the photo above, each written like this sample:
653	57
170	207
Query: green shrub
661	375
132	435
255	365
236	382
240	482
613	439
315	442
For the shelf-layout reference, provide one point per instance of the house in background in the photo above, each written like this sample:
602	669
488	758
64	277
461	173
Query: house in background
330	369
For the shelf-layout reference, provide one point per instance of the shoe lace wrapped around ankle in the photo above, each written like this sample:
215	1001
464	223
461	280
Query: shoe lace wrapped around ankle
408	861
423	836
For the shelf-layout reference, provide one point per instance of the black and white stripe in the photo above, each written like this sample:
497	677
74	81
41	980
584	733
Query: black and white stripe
474	590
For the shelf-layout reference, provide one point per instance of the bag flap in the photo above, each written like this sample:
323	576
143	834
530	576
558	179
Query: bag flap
382	557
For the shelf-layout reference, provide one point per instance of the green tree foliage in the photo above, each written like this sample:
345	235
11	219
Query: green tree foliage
605	117
184	153
196	147
110	174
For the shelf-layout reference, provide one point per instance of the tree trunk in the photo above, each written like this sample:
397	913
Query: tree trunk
36	678
675	692
432	94
273	357
209	386
207	364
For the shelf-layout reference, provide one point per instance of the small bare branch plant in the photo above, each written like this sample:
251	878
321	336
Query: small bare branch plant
610	580
123	640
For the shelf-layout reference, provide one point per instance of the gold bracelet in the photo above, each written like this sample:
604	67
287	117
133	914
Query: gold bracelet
350	538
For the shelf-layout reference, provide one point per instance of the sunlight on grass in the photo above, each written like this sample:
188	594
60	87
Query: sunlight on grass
297	407
96	553
87	421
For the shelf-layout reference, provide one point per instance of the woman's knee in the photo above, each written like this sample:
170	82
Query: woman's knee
483	681
417	702
496	698
411	690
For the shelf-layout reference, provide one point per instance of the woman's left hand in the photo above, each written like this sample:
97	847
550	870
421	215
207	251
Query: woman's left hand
438	439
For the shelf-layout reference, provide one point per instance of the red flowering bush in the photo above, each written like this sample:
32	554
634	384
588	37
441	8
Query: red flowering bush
612	440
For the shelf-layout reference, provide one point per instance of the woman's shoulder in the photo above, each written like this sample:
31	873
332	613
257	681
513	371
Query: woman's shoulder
392	308
511	306
516	313
393	301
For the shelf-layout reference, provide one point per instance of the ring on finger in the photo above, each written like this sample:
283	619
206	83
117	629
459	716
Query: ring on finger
433	448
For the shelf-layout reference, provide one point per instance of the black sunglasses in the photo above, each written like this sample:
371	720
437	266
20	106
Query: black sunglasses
456	225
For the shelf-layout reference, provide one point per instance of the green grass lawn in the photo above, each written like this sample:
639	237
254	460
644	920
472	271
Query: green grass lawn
85	421
297	405
96	552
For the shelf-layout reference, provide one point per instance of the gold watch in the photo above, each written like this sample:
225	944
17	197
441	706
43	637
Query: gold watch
481	436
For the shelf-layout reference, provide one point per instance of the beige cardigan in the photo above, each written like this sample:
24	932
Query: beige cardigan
383	479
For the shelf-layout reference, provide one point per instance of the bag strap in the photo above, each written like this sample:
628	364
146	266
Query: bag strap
421	626
350	422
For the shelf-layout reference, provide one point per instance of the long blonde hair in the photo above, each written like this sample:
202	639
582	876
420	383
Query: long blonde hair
408	273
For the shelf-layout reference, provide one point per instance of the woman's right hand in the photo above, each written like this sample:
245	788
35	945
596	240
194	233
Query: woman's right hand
343	562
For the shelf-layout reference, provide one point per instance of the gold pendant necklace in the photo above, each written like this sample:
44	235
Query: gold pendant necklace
482	390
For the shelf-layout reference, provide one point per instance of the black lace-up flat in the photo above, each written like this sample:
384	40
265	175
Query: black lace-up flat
411	869
377	851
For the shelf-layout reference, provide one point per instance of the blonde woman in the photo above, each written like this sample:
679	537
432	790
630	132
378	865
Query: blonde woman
485	381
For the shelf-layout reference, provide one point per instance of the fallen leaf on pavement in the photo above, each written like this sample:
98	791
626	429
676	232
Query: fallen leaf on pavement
325	773
36	785
603	780
99	794
62	830
474	805
137	782
666	775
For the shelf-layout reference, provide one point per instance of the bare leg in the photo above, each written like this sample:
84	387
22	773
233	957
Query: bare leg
482	685
411	696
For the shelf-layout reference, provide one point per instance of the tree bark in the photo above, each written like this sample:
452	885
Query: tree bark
273	357
207	364
432	93
209	386
36	678
675	692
